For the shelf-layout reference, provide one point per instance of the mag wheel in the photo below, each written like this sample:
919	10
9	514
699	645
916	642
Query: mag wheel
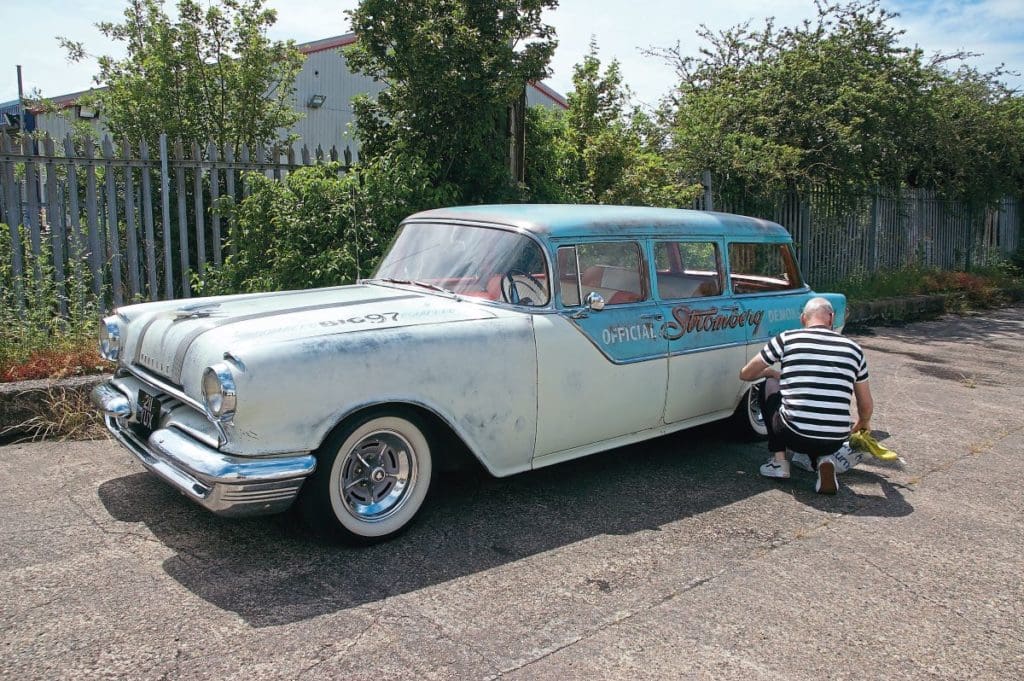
371	479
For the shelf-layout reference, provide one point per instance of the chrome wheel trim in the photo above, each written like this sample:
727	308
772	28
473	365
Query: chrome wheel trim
377	476
754	415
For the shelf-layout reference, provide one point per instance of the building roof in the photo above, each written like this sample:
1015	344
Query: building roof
570	221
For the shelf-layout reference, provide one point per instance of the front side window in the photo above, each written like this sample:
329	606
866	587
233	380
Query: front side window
759	268
479	262
612	269
688	269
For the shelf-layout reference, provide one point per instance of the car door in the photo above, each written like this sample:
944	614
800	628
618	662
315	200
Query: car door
601	370
705	328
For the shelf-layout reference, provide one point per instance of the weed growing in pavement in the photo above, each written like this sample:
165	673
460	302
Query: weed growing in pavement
57	412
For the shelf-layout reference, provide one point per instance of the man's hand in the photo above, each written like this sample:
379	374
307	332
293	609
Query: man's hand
757	369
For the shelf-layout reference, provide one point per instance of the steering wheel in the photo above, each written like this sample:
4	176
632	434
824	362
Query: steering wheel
516	280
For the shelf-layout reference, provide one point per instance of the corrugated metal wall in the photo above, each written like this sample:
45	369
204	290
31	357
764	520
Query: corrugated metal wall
326	73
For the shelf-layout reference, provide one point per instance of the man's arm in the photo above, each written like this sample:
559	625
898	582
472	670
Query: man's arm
757	368
865	406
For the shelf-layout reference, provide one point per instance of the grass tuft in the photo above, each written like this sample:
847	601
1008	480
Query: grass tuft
58	412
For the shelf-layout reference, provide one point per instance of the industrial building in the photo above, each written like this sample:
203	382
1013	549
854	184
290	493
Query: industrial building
324	88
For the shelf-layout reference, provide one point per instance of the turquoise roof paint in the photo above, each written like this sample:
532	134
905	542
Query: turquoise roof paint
558	221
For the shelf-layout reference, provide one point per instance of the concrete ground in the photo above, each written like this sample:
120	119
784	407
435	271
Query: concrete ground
672	559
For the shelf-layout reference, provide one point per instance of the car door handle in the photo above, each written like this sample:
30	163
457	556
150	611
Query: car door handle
653	316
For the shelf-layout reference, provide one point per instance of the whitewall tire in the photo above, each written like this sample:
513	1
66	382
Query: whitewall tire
372	477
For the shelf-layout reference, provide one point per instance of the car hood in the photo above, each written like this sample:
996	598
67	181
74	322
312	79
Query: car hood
163	337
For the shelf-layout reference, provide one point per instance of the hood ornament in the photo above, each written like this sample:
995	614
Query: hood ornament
195	311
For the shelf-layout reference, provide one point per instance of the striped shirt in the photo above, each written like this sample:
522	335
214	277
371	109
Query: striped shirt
819	368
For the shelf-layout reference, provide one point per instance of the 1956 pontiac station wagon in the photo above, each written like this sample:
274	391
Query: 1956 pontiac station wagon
533	334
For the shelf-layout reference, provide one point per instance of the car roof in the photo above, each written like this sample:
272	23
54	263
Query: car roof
557	221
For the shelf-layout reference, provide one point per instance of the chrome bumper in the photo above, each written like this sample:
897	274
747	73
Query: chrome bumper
227	485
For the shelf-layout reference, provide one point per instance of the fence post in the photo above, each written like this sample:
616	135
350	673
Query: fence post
135	286
245	162
229	183
197	190
804	211
92	220
873	232
179	176
76	253
13	200
147	221
32	198
165	204
112	232
211	155
55	216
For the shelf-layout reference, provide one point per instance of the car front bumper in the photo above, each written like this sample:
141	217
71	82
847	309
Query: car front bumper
224	484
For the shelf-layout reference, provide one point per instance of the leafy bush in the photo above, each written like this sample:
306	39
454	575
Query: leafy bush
36	341
979	289
320	227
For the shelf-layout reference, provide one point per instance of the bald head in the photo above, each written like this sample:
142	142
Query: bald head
818	311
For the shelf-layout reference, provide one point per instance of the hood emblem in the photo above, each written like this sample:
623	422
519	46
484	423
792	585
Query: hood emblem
195	311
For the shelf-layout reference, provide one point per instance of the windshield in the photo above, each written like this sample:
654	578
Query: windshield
492	264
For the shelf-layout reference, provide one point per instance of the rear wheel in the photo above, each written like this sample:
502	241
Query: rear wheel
371	479
748	417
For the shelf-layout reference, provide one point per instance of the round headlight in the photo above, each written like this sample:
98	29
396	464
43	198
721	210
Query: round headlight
219	391
110	339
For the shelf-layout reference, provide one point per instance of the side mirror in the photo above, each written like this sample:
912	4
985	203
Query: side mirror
594	301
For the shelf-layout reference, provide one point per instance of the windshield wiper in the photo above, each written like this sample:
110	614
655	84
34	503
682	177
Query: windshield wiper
414	282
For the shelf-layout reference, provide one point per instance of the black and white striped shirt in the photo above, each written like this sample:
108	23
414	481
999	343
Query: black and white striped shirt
819	368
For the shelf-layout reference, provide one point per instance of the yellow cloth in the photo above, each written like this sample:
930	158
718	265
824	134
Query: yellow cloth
863	439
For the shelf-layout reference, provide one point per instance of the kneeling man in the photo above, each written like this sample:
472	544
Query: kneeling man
806	405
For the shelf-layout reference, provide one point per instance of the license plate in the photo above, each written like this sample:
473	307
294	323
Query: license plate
149	410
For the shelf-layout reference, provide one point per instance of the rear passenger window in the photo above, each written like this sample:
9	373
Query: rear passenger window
688	269
755	268
612	269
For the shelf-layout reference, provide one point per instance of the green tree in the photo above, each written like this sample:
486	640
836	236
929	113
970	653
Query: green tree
970	141
212	73
453	68
837	100
601	150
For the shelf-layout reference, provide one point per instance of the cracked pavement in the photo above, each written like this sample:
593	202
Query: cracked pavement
669	559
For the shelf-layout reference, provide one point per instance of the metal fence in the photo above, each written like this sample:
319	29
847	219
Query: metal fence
838	237
132	224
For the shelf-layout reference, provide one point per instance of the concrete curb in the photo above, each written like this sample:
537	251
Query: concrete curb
24	402
907	308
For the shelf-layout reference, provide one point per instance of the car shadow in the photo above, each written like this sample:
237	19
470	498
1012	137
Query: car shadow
271	571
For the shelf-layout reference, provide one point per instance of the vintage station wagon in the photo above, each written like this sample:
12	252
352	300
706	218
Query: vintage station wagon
528	335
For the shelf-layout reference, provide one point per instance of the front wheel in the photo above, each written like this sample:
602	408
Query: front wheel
748	417
371	478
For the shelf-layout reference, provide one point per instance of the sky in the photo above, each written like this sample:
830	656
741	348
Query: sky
621	29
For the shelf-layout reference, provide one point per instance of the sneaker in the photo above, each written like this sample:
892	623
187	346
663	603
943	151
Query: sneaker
801	460
775	469
846	458
827	482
